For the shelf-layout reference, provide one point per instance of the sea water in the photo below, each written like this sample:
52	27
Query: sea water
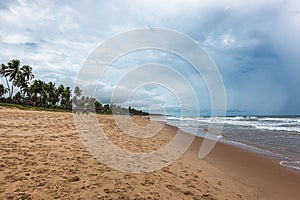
275	136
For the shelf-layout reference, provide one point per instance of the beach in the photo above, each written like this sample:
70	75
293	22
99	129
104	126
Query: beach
42	157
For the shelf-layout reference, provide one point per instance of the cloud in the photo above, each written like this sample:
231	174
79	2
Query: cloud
253	43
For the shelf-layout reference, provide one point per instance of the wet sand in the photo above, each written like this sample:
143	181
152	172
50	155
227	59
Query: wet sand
42	157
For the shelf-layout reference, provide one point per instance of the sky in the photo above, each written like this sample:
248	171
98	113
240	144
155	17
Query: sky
254	45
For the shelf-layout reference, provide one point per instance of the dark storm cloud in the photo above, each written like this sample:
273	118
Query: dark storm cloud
255	44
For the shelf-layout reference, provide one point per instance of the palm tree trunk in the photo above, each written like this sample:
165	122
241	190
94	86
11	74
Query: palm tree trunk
12	90
7	86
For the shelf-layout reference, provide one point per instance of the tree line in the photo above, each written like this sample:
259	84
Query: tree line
36	92
88	104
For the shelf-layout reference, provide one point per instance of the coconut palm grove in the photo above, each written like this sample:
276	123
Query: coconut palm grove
21	88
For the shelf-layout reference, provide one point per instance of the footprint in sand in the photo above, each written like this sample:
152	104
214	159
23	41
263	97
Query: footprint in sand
172	187
148	182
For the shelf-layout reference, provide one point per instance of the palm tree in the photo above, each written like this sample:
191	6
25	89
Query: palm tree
19	77
4	73
98	107
61	89
13	70
27	72
25	75
38	91
43	92
20	82
52	93
3	90
66	98
34	90
17	96
77	91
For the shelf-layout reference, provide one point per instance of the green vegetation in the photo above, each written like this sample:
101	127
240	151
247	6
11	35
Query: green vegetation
35	94
88	104
28	107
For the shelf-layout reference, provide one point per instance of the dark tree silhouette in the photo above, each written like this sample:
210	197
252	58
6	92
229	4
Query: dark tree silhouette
4	74
3	90
13	72
43	94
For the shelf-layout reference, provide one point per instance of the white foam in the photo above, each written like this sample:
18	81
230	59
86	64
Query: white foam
173	118
220	136
279	128
262	123
290	164
278	119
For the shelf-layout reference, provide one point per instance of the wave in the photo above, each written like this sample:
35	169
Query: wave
262	123
277	119
279	128
291	164
271	136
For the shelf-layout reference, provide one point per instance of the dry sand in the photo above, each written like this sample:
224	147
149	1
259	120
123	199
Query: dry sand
42	157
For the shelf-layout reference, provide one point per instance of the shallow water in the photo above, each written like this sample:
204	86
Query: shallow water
277	137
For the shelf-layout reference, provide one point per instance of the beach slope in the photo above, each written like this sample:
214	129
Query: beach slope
42	157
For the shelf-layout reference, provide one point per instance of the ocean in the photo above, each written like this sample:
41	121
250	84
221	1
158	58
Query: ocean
274	136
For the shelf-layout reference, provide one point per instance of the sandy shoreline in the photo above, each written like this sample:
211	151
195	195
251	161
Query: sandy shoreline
42	157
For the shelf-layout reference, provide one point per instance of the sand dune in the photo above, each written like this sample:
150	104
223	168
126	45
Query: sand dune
42	157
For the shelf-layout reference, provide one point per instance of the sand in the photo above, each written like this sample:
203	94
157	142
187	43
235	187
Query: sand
42	157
